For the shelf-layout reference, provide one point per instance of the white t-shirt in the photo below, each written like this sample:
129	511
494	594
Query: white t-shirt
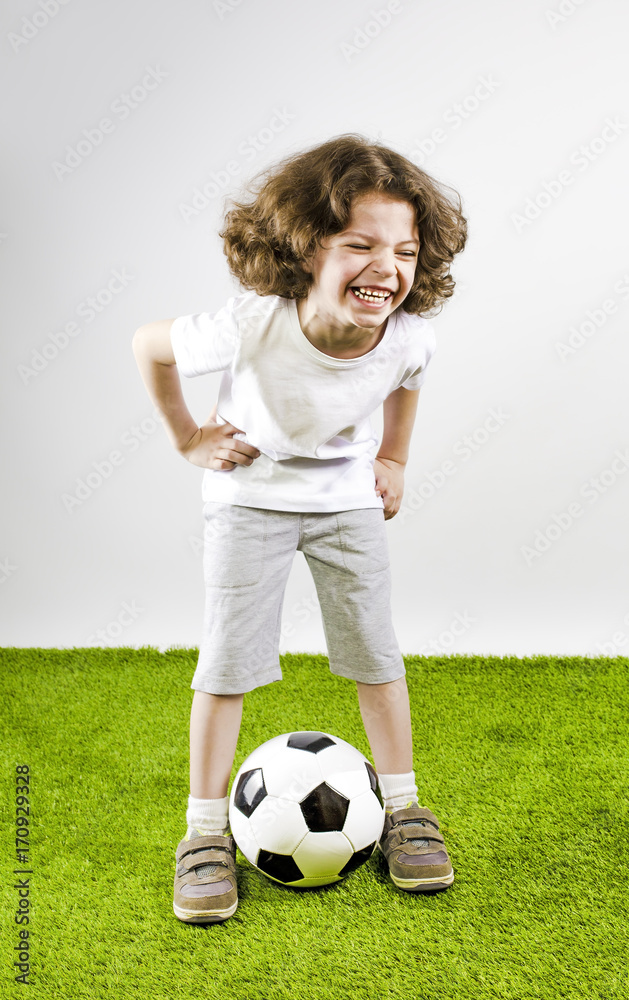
308	413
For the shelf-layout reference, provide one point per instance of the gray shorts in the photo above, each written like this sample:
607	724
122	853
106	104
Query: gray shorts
248	554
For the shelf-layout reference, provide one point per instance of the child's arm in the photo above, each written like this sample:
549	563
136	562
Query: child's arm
211	446
399	417
155	359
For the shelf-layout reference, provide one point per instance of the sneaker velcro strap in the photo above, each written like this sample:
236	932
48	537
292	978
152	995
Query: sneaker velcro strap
426	814
401	834
211	840
416	813
206	857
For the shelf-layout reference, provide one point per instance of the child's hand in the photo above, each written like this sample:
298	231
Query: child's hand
213	446
389	484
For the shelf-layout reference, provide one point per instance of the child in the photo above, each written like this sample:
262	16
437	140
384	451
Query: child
333	243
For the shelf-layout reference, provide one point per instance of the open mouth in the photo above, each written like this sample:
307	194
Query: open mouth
372	296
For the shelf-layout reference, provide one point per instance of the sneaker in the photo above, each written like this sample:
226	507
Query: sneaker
205	878
414	849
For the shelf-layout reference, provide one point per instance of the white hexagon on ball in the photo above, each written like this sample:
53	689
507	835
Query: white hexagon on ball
292	774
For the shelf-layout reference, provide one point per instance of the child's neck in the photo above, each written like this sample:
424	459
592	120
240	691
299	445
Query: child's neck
342	344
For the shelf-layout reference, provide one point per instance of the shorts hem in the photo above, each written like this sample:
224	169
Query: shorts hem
376	677
234	685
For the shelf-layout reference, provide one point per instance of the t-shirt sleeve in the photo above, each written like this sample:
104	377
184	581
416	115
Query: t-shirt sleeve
204	342
417	375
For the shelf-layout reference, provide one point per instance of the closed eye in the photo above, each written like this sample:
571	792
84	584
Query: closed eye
360	246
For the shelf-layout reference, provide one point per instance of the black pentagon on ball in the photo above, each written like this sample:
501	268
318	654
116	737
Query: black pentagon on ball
283	867
312	742
357	859
373	781
250	791
324	809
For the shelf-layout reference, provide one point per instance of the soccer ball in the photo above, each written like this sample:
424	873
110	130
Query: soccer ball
306	809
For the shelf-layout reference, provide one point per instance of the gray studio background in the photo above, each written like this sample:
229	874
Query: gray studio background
512	535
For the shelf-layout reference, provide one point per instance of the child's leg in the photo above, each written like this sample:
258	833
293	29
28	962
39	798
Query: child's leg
411	841
350	565
386	715
214	726
347	555
205	888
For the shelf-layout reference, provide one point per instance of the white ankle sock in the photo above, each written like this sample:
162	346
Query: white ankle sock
398	790
207	815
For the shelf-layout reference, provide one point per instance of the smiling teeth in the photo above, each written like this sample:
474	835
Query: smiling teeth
374	296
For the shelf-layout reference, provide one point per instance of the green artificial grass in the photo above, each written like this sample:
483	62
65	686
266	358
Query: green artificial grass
524	761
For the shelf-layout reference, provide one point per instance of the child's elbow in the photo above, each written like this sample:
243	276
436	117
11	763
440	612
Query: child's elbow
138	342
152	340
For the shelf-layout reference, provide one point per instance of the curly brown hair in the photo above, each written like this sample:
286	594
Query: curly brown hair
308	196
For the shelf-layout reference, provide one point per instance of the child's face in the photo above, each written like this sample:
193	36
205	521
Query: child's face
377	251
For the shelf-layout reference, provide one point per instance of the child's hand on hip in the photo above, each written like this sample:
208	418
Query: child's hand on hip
389	484
214	446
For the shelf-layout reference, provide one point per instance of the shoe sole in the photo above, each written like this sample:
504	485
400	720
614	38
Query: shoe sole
424	884
204	916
